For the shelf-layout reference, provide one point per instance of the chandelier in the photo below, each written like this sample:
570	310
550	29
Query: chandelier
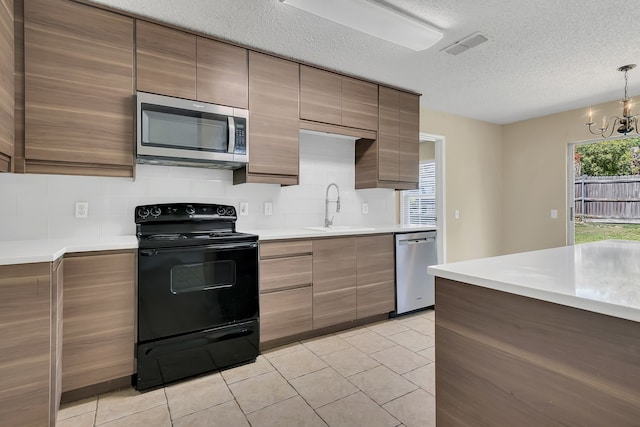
625	124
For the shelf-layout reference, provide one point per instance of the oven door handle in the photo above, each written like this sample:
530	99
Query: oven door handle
226	246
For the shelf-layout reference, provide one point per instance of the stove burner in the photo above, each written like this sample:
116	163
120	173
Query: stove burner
187	224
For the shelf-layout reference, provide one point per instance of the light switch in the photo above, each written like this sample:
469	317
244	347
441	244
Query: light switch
456	214
554	213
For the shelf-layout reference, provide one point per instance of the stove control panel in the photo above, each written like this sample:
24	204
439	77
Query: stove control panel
170	212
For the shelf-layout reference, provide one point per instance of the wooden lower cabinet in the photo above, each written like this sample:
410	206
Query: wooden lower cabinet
99	318
314	284
334	281
375	275
27	348
285	313
285	289
56	334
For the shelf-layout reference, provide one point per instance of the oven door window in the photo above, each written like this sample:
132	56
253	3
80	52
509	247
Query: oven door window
203	276
184	129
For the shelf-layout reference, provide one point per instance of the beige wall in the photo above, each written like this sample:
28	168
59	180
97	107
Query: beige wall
427	150
535	177
474	183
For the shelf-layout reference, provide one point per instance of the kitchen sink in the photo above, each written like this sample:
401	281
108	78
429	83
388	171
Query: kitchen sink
337	228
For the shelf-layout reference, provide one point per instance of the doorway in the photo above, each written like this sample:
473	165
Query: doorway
432	163
603	190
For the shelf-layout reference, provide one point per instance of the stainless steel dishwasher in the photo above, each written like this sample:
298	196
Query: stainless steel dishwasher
415	288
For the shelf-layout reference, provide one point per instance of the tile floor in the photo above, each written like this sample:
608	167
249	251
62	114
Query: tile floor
378	375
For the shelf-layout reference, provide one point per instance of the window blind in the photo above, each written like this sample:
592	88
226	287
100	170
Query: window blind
418	207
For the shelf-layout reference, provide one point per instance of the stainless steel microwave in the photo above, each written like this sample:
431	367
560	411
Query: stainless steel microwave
189	133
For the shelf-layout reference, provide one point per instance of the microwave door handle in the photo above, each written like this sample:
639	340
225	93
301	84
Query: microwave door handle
232	134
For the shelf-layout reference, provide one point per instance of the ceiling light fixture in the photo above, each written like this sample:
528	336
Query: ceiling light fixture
465	44
625	124
373	19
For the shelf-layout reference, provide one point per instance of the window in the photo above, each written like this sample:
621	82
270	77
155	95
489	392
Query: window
418	207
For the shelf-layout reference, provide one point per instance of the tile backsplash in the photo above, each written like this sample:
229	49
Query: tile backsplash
36	206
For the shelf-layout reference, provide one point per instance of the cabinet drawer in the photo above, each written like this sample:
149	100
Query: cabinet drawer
286	248
285	313
280	273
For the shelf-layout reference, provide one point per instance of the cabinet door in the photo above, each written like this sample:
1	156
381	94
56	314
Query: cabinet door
165	61
98	313
273	121
320	95
409	137
285	313
359	104
79	87
6	85
388	135
334	281
57	301
376	274
223	73
25	316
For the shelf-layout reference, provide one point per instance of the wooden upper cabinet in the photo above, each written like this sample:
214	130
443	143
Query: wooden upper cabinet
409	143
165	60
389	135
328	97
222	73
274	122
174	63
392	160
6	85
359	104
78	89
320	95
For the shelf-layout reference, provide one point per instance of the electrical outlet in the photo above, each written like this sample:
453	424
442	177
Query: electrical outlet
82	209
365	208
244	208
268	208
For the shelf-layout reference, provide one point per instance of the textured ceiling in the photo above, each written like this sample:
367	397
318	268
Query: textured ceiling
542	57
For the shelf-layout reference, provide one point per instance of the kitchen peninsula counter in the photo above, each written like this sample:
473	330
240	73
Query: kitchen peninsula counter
549	337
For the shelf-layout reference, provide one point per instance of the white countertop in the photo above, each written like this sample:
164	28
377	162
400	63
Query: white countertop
29	251
301	233
602	277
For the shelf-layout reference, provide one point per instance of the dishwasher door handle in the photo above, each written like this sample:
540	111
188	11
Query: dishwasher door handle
417	241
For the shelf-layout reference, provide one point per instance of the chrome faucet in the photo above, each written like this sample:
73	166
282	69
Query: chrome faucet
329	222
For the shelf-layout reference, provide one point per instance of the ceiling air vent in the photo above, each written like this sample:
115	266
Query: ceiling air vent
465	44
